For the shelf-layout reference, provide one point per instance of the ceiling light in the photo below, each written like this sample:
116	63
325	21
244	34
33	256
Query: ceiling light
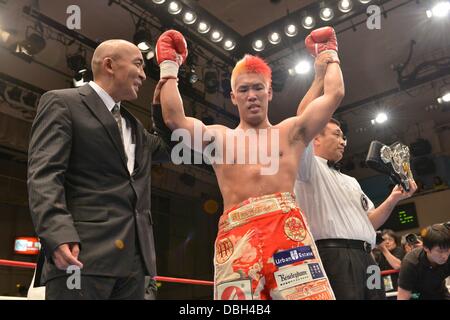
345	5
203	27
274	38
216	36
381	118
159	1
189	17
174	7
82	77
30	99
291	30
308	22
76	62
229	45
34	42
142	39
258	45
326	14
441	9
445	98
302	67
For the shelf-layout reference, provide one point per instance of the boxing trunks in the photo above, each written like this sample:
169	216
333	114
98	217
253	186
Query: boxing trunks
264	250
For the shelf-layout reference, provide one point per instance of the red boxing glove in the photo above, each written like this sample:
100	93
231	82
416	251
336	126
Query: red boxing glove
320	40
171	53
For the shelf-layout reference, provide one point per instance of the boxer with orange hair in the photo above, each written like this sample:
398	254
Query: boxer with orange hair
264	249
251	64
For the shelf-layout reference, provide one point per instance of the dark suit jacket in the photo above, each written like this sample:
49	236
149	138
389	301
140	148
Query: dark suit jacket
79	186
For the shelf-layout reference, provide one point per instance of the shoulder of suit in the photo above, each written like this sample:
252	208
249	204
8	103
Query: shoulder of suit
64	92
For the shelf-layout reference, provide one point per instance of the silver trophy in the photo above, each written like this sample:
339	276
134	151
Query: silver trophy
393	160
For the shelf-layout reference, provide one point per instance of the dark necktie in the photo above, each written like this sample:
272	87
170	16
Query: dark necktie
116	114
334	165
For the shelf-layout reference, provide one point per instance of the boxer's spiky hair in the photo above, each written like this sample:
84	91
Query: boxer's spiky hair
251	64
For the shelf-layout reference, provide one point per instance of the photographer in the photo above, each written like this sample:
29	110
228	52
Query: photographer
424	270
410	242
389	256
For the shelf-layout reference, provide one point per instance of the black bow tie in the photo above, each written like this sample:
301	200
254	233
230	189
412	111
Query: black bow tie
334	165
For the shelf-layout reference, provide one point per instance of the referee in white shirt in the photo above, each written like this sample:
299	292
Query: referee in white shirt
342	218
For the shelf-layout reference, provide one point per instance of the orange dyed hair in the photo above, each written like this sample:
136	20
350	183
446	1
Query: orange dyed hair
251	64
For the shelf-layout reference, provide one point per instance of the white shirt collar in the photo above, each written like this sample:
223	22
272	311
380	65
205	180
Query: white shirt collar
323	160
106	98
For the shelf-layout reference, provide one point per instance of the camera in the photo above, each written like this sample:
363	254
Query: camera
379	238
412	239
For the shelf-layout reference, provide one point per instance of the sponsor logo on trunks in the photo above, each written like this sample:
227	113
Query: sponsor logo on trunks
317	290
293	255
295	229
224	250
297	275
235	290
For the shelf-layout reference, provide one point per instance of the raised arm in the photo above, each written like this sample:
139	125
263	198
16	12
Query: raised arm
171	52
314	118
316	89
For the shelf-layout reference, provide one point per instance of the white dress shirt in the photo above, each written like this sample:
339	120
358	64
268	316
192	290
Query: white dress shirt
130	147
334	203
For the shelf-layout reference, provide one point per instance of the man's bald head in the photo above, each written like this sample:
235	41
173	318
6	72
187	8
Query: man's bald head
115	48
118	67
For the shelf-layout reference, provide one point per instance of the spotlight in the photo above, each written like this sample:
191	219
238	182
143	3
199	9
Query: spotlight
142	39
229	45
14	94
193	77
82	77
364	1
291	30
274	38
2	90
258	45
302	67
211	81
308	22
439	10
33	43
203	27
30	99
381	118
4	35
279	78
216	36
189	17
326	14
174	8
226	85
159	1
76	62
345	5
444	99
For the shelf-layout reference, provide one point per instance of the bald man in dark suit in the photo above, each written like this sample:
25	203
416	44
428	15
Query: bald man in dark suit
89	182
